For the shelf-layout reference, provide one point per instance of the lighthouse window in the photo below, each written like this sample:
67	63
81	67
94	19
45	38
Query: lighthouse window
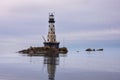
51	29
51	37
53	25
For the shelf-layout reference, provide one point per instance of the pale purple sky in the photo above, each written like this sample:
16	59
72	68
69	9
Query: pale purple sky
78	21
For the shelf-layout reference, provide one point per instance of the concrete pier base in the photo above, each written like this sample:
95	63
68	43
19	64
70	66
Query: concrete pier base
52	44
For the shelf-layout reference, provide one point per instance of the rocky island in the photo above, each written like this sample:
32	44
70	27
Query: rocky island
43	50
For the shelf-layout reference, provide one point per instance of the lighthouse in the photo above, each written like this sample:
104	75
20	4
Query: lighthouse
51	37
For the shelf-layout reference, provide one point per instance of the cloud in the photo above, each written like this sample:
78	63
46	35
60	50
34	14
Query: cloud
75	19
92	35
81	11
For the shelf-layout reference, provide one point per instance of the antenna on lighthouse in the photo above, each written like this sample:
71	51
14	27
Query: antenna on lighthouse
44	38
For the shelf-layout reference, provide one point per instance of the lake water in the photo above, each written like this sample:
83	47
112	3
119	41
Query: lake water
77	64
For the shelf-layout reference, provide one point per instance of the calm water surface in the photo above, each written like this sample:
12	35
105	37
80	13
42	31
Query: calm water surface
75	65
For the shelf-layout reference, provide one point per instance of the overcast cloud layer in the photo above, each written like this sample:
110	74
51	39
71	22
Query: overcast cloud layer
76	20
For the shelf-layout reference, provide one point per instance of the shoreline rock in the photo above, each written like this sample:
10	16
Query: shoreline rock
89	49
43	50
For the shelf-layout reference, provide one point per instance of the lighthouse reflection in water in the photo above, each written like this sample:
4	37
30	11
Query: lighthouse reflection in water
51	59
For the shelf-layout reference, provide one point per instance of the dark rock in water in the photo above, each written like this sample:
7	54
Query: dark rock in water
77	51
93	50
89	49
99	49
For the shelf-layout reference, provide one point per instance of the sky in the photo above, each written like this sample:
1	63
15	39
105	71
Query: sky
78	22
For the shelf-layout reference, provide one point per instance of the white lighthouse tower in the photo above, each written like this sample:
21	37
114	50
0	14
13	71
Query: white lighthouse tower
51	32
51	37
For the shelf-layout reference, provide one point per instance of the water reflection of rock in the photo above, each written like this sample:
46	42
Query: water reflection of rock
51	59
